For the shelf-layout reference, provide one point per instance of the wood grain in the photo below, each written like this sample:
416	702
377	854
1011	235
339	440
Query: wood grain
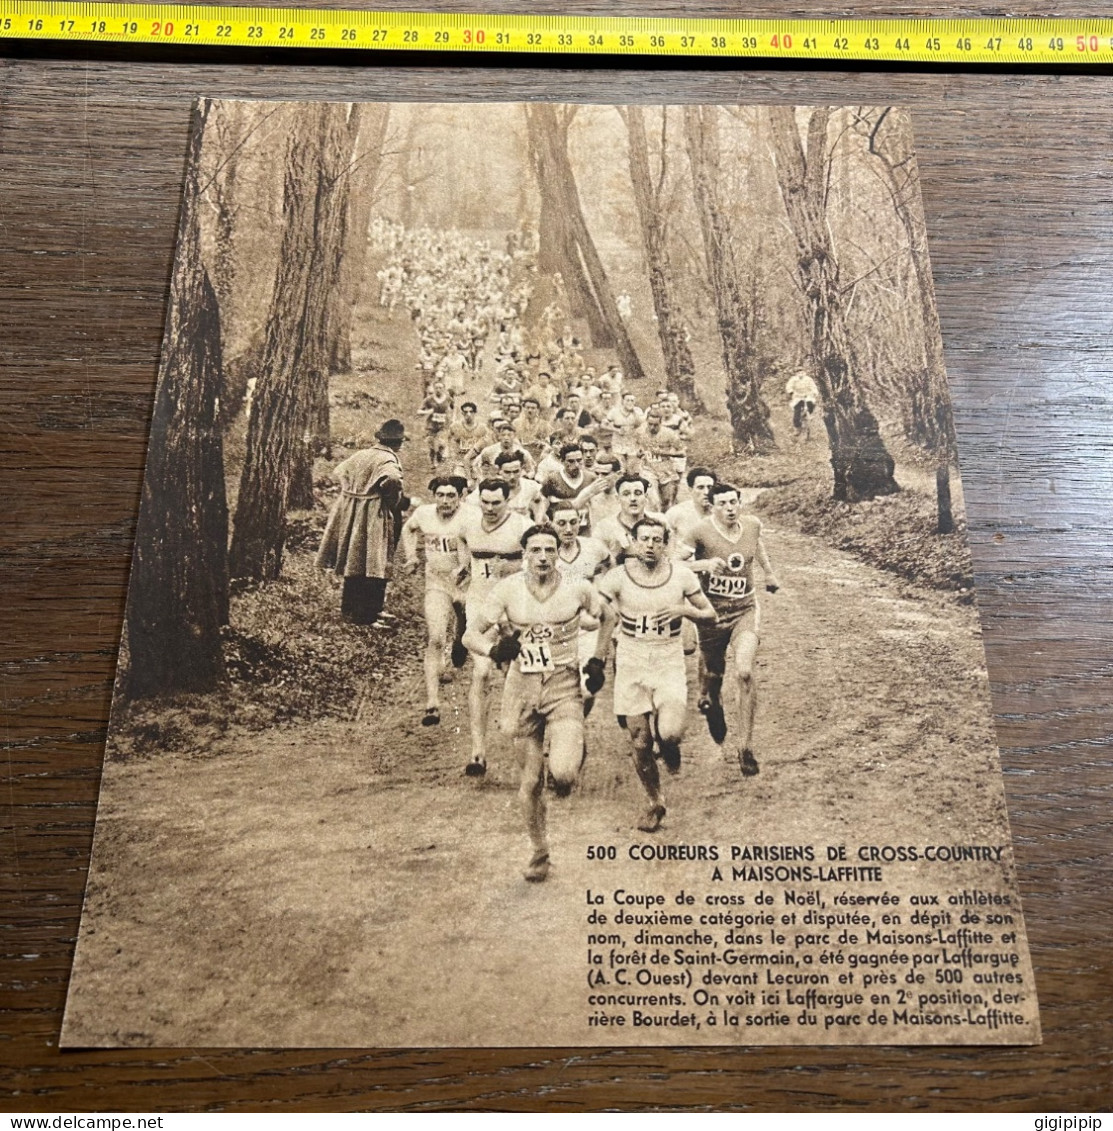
1017	188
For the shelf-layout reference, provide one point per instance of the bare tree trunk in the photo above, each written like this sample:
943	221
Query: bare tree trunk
560	269
295	356
339	320
862	466
680	369
749	414
566	242
409	144
367	128
178	597
224	193
892	148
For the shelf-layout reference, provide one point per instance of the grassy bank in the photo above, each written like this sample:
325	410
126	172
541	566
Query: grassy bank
894	532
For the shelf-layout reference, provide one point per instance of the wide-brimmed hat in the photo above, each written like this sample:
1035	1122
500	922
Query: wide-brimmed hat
391	430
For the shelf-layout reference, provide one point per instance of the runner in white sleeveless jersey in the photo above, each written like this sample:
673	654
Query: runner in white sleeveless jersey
585	559
726	546
433	529
491	548
686	516
465	433
540	611
525	494
617	531
652	595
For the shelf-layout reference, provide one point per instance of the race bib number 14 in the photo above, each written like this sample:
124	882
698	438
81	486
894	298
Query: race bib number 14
535	658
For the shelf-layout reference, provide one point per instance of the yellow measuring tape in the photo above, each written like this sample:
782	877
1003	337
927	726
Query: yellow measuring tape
963	42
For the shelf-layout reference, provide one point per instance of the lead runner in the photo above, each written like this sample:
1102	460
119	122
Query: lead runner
540	609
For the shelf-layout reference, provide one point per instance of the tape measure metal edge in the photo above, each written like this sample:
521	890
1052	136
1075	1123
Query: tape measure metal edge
1058	42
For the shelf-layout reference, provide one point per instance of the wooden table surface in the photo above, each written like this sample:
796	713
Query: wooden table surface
1019	195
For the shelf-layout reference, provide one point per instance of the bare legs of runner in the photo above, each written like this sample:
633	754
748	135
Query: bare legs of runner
667	728
742	649
439	617
482	671
566	739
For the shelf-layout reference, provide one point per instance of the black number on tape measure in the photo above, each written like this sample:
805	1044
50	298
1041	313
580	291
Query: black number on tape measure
285	33
1024	43
533	39
409	37
192	29
254	32
1055	44
932	45
656	41
903	45
440	37
872	44
595	41
564	41
842	43
502	37
130	27
348	34
687	41
626	41
314	32
720	41
66	25
6	24
962	44
34	25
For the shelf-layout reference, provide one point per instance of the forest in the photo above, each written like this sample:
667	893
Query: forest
746	244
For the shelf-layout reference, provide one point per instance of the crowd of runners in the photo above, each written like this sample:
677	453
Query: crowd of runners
565	519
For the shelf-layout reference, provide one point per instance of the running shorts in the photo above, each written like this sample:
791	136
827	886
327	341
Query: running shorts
643	685
530	702
443	583
716	636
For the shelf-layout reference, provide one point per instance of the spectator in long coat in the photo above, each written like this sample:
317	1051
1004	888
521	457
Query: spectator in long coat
362	531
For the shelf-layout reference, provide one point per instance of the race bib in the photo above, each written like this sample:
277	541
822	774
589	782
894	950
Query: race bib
437	544
438	419
534	658
650	627
723	585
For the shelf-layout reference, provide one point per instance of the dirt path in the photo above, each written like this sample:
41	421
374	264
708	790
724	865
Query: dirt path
344	884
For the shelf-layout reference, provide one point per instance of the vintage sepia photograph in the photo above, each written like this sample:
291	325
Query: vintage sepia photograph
551	621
